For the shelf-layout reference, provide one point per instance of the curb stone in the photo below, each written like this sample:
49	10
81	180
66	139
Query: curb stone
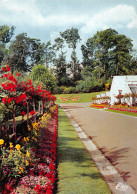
112	177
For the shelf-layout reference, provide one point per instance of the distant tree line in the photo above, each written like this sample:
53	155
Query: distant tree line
104	55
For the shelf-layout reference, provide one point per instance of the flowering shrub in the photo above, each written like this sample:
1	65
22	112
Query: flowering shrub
19	94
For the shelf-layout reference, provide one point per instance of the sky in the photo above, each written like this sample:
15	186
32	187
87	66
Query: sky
45	19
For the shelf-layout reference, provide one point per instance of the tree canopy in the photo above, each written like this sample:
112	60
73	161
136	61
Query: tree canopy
25	52
108	51
40	75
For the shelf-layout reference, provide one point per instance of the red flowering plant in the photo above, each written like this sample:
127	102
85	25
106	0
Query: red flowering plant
33	95
13	97
23	113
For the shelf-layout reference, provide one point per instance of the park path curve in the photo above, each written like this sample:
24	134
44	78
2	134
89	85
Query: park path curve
114	134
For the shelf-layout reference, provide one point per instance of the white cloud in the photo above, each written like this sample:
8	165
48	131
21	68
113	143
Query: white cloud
117	17
21	11
27	12
133	23
44	20
61	20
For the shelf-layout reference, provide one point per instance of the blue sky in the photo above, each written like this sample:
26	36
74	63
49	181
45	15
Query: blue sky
44	19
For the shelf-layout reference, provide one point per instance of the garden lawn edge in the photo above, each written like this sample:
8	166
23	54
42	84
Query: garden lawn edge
131	114
77	172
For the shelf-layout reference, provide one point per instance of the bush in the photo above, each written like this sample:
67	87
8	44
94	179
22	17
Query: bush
40	75
58	90
99	85
69	90
85	86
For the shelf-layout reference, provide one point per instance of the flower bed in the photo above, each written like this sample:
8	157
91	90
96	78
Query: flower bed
64	99
116	107
30	167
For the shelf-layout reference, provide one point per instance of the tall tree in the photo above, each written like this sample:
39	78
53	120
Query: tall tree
6	34
72	37
109	52
60	62
49	53
25	53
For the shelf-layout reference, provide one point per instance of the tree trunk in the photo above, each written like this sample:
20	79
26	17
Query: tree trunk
14	124
27	113
39	107
42	107
34	111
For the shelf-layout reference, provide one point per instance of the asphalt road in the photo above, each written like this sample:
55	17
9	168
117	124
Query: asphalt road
114	134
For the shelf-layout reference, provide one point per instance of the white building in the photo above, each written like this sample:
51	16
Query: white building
123	85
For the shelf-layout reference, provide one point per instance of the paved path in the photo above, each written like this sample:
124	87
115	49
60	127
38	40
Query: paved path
114	134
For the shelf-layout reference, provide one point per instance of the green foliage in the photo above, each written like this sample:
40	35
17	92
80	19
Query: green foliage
61	75
25	53
85	86
69	90
49	54
41	75
108	52
89	85
6	33
14	162
58	90
72	37
5	112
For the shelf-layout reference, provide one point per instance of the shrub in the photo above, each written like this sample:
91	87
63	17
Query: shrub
85	86
69	90
58	90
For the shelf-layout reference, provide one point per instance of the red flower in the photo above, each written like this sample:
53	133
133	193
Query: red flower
18	74
38	188
4	100
32	112
8	68
5	75
23	113
51	166
3	69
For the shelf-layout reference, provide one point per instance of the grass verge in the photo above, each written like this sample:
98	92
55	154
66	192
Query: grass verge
84	97
117	111
77	172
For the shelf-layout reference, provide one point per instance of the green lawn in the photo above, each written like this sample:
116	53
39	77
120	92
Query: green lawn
77	173
117	111
84	97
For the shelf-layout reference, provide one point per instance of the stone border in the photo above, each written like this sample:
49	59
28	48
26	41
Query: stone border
112	177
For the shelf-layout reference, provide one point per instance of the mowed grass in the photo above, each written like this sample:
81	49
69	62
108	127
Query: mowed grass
117	111
77	173
84	97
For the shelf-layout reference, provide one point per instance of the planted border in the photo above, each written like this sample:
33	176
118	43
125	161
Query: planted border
34	164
